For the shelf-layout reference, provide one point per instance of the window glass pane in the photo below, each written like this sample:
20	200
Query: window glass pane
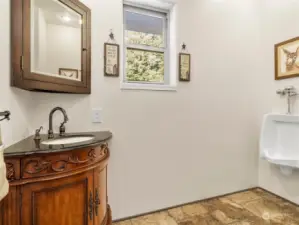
146	66
139	38
144	29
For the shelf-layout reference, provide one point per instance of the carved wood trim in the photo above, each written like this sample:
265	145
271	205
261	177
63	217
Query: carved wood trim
40	165
10	171
48	177
104	149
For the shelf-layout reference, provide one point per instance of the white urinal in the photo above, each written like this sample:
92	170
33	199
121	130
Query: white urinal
279	141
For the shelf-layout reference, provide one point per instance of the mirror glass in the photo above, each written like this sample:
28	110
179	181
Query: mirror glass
56	40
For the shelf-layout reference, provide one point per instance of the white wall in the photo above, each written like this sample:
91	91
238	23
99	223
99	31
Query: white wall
174	147
168	147
17	101
277	25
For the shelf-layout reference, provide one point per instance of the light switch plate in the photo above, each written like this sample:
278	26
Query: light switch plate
97	116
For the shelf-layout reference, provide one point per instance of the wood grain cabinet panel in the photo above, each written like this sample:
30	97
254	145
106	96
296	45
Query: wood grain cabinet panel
75	194
58	202
10	212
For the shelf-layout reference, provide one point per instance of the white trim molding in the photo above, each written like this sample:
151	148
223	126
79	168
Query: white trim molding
171	59
166	84
160	4
150	87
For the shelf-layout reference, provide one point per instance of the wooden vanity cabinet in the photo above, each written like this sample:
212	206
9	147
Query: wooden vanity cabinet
75	192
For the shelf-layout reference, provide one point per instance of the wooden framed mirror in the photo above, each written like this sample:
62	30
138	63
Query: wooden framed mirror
50	41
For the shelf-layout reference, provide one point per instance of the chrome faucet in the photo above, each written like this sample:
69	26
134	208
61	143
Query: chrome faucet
290	91
62	127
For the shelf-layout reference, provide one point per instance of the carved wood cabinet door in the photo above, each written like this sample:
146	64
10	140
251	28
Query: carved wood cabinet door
100	190
59	202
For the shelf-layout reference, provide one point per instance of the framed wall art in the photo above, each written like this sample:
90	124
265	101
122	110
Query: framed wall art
286	59
70	73
184	66
111	58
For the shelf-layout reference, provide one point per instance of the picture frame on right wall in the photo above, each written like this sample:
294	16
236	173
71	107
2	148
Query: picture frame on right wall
184	67
286	59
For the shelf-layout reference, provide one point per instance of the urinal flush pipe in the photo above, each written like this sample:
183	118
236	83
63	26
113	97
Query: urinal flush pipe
290	91
289	105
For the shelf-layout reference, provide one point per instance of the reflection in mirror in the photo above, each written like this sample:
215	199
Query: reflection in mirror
55	40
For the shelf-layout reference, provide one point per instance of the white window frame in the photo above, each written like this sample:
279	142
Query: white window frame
160	13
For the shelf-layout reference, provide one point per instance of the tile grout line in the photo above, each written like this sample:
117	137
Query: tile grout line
168	213
245	202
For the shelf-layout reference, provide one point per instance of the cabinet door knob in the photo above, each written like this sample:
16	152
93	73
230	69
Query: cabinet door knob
97	201
90	205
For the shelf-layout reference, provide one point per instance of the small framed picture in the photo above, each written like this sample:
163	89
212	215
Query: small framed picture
69	73
286	59
184	67
111	58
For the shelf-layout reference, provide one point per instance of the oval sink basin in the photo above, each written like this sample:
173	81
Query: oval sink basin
68	140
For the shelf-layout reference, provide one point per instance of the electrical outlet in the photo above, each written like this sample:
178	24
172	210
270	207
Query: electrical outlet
97	116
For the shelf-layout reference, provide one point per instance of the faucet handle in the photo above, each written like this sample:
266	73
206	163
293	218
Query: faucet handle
62	129
37	133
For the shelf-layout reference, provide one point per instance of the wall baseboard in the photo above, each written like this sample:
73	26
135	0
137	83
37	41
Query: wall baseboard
286	200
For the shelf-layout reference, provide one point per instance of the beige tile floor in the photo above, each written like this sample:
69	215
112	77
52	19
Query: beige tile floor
245	208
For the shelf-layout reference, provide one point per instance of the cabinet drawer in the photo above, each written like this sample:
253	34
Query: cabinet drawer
51	164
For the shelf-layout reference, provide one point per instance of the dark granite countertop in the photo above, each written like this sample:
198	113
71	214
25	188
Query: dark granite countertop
30	146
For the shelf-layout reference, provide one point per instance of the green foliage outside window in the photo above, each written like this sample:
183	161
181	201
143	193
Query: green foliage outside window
139	38
142	65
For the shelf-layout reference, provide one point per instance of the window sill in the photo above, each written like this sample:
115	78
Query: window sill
149	87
